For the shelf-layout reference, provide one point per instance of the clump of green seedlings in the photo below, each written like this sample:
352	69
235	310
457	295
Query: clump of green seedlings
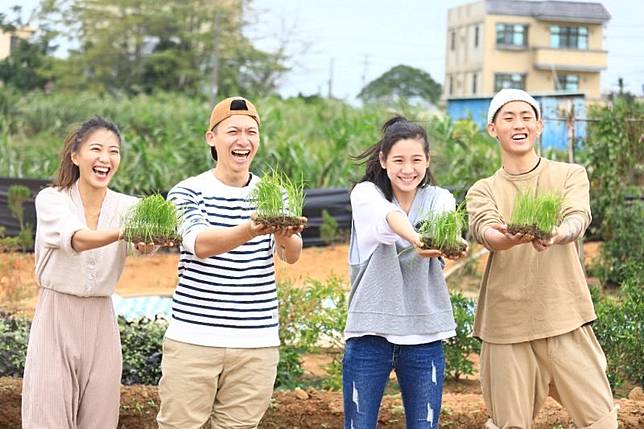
152	220
536	215
279	201
442	231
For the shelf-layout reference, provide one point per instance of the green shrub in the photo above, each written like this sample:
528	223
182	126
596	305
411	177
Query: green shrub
17	195
459	349
309	314
624	245
141	342
329	231
14	337
620	328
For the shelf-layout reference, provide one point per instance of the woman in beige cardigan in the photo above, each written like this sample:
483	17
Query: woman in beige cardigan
73	366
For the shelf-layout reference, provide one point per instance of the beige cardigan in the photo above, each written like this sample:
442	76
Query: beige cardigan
59	267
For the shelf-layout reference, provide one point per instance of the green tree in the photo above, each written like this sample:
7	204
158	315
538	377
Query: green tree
136	46
401	82
28	66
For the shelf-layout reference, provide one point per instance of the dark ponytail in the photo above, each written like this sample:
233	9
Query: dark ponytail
395	129
68	173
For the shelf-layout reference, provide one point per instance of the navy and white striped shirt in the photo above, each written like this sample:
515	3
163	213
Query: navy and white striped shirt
227	300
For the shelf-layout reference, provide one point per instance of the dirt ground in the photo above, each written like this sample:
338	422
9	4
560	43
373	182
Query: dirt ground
315	409
463	406
157	274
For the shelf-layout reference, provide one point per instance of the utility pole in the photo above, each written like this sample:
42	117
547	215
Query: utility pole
214	85
330	89
364	69
572	141
572	137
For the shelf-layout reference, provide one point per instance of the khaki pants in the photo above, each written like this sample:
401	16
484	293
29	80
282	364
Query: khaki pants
517	378
214	387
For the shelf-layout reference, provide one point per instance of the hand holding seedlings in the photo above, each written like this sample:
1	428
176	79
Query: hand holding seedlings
152	222
442	232
536	216
279	202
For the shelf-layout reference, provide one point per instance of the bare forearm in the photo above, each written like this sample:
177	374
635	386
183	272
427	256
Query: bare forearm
86	239
399	224
289	249
496	240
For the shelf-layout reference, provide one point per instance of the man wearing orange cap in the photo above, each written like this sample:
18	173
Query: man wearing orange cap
534	310
220	351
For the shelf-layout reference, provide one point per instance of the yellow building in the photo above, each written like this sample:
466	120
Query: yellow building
8	41
539	46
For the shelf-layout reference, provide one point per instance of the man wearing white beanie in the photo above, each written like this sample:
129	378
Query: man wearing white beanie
534	310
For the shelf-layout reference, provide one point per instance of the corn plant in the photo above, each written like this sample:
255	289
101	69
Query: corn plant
152	220
279	200
536	215
442	231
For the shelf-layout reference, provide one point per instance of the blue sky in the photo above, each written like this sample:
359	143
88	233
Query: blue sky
361	39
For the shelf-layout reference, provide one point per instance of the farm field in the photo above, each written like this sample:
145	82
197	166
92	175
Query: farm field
463	405
315	409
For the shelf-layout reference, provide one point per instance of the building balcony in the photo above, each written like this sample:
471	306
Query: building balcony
580	60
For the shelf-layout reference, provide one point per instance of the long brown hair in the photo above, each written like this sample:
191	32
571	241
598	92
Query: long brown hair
395	129
68	173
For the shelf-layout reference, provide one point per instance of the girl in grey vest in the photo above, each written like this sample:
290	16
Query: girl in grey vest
399	307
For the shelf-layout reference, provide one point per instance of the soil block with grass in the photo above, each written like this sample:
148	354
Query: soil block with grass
152	220
442	231
279	201
536	215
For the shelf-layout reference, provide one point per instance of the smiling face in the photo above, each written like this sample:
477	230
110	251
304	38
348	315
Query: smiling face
406	165
236	140
98	158
516	127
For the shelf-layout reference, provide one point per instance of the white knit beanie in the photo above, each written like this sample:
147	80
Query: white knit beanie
507	95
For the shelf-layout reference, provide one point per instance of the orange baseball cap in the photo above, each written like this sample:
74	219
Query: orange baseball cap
232	106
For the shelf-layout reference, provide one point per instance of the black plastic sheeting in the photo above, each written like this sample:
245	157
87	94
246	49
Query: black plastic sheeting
334	201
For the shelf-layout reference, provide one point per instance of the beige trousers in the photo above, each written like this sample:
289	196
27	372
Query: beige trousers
72	374
214	387
517	378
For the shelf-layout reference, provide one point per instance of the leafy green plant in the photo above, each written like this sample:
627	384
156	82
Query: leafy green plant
274	208
309	314
329	231
14	336
459	349
17	195
152	220
443	230
141	342
614	161
536	215
624	246
620	327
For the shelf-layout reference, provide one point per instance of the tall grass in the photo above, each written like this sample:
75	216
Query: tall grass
164	138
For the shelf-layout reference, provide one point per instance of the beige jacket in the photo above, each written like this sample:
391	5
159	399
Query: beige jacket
58	267
525	294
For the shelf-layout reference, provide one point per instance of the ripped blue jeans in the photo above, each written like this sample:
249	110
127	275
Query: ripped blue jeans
366	366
